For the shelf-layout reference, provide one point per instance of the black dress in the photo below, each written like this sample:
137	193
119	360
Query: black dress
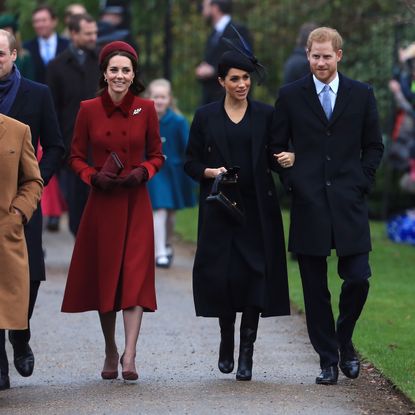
247	259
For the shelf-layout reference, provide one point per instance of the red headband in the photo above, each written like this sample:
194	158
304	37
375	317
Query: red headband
118	46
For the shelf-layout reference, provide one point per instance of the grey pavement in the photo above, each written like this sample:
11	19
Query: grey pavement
176	360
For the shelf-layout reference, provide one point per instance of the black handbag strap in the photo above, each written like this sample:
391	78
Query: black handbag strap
215	186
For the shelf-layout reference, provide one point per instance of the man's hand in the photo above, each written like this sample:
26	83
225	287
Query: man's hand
205	71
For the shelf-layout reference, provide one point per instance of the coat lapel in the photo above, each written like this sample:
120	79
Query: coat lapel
217	131
342	99
257	133
2	127
311	97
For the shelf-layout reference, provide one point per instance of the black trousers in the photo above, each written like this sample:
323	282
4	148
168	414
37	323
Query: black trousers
20	337
326	336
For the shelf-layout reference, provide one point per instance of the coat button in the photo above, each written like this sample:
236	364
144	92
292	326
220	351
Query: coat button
269	192
328	132
108	132
328	158
328	183
107	150
124	133
268	171
266	146
209	149
124	150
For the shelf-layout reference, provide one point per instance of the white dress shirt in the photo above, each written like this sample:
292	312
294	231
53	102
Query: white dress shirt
48	47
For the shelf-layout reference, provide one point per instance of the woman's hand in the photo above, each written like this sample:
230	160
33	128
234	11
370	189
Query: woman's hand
212	173
285	159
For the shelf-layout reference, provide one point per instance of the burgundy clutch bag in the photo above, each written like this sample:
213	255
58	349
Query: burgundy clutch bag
112	164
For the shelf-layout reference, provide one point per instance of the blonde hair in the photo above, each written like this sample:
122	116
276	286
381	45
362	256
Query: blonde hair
162	82
325	34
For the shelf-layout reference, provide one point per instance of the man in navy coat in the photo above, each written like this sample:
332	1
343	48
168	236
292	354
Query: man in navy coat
332	123
30	103
47	44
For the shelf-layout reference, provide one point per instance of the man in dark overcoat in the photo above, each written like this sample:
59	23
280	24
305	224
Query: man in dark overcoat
73	77
30	103
332	122
218	14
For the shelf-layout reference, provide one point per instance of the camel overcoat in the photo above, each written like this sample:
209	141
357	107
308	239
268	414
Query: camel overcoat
21	187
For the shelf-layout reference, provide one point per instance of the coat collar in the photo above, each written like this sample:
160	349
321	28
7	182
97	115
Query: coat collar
124	107
2	126
343	95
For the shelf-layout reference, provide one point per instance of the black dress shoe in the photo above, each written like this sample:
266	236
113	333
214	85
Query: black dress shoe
4	381
349	362
24	360
53	224
328	376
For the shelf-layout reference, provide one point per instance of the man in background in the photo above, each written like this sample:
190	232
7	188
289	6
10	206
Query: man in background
217	14
73	77
47	44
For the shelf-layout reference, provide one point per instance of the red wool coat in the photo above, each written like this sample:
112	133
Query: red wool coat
112	265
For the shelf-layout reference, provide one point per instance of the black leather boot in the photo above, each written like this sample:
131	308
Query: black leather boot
249	327
227	343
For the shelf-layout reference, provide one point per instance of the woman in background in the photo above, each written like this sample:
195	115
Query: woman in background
171	189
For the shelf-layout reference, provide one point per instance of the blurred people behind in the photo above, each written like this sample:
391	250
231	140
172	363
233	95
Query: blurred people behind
73	77
21	187
171	189
71	10
217	13
297	65
24	60
111	27
30	103
47	44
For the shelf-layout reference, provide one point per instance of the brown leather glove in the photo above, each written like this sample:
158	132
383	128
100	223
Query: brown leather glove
135	178
104	181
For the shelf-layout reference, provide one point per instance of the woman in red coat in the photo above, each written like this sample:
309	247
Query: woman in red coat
112	266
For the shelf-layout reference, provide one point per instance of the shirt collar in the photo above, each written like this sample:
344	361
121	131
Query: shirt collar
52	39
334	84
222	23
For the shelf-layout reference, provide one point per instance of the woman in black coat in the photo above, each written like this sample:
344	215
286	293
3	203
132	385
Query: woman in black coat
238	267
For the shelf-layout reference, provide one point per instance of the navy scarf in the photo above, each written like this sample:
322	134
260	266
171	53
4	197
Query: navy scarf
8	90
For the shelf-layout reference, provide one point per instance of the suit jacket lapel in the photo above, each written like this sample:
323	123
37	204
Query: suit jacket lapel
311	97
343	96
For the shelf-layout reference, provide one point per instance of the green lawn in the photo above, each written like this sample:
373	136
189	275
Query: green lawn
385	334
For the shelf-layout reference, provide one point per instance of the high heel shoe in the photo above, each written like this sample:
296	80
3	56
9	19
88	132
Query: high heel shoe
128	374
109	374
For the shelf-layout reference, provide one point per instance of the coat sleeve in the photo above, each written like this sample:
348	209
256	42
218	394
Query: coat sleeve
79	148
280	140
50	138
154	156
30	183
194	164
372	146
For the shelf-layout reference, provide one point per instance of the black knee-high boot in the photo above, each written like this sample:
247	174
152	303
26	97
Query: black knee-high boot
227	343
249	327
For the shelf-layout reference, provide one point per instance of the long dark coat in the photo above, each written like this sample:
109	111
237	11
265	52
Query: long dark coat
33	106
112	265
208	147
334	167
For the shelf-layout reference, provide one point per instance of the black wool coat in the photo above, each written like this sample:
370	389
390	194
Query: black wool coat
334	167
71	83
207	147
33	106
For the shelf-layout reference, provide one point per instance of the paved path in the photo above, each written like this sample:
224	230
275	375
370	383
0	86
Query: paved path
177	361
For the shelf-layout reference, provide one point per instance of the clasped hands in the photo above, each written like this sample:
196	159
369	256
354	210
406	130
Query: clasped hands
107	181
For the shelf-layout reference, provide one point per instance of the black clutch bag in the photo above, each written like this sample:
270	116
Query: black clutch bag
231	207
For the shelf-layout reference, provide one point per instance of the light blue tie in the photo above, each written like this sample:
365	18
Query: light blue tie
47	53
326	101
